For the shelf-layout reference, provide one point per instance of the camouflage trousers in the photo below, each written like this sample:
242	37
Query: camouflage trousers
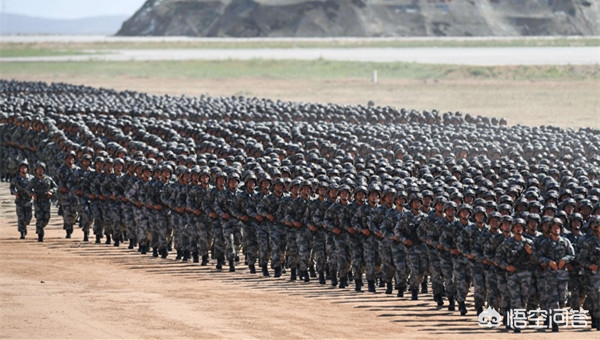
198	234
503	288
97	215
447	265
218	246
540	281
142	216
232	234
293	258
263	237
107	217
491	284
400	265
160	228
575	289
331	253
304	242
250	229
342	251
319	249
179	223
518	284
117	220
370	254
85	215
462	278
435	269
417	262
555	288
69	210
24	215
387	259
479	287
42	215
534	301
591	287
357	256
277	241
130	221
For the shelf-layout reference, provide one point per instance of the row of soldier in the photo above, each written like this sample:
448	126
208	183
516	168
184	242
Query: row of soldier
338	228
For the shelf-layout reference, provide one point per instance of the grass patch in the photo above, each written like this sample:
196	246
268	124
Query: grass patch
64	48
320	69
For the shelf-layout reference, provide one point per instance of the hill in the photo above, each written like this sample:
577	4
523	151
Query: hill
363	18
13	24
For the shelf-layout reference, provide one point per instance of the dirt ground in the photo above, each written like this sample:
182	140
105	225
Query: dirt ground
560	103
68	289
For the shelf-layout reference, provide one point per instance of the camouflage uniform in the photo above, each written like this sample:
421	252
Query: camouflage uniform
556	280
40	187
446	241
246	205
503	300
407	230
337	220
428	233
512	253
470	241
96	179
80	183
137	196
360	221
225	204
20	185
589	255
197	221
575	272
376	225
218	239
67	197
272	232
160	216
398	250
316	213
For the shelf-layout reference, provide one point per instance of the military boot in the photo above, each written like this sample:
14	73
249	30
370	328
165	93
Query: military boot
252	269
358	286
40	238
179	254
108	240
400	291
554	327
451	305
439	299
414	294
186	256
144	249
98	238
424	289
131	244
204	260
594	323
277	272
164	254
154	252
68	234
22	235
231	266
116	242
85	237
381	283
195	257
462	308
343	282
389	288
293	274
321	277
306	276
479	309
265	271
334	280
371	286
219	265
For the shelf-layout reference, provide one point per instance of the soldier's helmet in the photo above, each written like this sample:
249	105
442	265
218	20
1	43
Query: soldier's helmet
40	165
450	205
70	154
25	163
345	187
235	176
118	161
519	221
87	157
361	188
465	207
480	210
415	197
277	180
222	174
494	215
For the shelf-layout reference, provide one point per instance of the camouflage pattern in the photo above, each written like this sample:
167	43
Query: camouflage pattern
406	232
40	188
66	196
512	252
556	280
19	185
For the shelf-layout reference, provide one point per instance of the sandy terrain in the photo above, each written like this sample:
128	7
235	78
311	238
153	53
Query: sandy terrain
70	289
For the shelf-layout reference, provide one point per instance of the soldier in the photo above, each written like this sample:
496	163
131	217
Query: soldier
42	188
127	182
219	217
19	187
360	221
160	220
575	269
81	179
406	233
117	192
516	255
470	244
337	221
227	209
246	204
377	226
171	196
589	259
137	196
95	182
316	212
556	252
489	253
300	220
267	209
428	233
294	210
445	255
356	238
109	215
67	197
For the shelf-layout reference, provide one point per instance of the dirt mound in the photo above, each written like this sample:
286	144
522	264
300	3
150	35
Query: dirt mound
363	18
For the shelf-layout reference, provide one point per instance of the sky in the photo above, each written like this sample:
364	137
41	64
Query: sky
70	9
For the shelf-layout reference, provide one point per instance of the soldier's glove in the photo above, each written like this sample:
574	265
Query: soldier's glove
337	231
312	228
366	232
408	242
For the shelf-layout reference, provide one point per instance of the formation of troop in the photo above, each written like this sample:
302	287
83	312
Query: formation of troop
352	196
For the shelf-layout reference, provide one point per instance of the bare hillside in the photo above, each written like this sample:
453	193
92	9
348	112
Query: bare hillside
363	18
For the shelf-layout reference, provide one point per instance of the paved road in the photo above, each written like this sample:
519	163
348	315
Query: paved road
457	56
428	55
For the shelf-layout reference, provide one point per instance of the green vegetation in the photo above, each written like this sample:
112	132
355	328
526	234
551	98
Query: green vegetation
52	48
319	69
